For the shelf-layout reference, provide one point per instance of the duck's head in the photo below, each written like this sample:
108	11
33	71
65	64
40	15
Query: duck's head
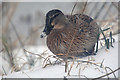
52	19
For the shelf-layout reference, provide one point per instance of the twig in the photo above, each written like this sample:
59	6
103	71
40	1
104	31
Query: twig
34	54
74	7
66	63
21	43
13	26
28	76
57	60
14	68
85	67
70	68
115	5
68	53
106	74
50	63
88	62
97	69
8	53
102	63
84	7
65	78
79	72
100	10
47	59
4	70
91	12
11	13
84	76
2	50
46	62
23	65
107	12
111	70
77	64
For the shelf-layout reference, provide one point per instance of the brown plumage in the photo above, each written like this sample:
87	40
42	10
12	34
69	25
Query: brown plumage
61	29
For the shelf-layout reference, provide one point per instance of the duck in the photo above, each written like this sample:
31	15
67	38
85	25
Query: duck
70	35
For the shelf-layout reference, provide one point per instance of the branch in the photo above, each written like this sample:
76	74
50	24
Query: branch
34	53
74	7
106	74
84	7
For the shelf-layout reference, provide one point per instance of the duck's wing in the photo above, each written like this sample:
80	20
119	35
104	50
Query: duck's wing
78	18
87	29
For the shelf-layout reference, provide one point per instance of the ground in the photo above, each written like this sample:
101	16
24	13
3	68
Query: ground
104	57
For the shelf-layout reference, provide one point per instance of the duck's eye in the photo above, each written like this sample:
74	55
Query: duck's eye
52	24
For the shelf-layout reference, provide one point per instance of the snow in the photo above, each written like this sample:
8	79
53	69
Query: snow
110	57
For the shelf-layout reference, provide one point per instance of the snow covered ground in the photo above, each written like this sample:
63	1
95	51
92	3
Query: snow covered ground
108	58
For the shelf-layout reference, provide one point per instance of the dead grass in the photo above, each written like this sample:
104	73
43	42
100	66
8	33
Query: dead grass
9	46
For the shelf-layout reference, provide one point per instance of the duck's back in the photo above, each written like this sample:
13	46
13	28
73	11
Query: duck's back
84	30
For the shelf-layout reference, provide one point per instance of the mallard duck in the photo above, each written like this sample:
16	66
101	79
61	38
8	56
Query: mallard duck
70	35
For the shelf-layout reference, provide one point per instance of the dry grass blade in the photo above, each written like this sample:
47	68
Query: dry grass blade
11	13
23	65
46	59
66	63
85	67
71	42
50	62
46	64
70	68
79	72
106	74
20	41
4	70
2	50
78	64
89	62
100	10
85	77
102	63
84	7
111	70
28	76
74	7
57	59
34	54
97	69
116	6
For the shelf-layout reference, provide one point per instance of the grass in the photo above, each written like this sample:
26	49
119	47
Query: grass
46	62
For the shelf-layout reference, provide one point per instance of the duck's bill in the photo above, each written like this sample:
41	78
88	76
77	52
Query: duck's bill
43	35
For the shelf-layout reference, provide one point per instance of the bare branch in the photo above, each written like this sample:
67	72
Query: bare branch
106	74
84	7
4	70
33	53
74	7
